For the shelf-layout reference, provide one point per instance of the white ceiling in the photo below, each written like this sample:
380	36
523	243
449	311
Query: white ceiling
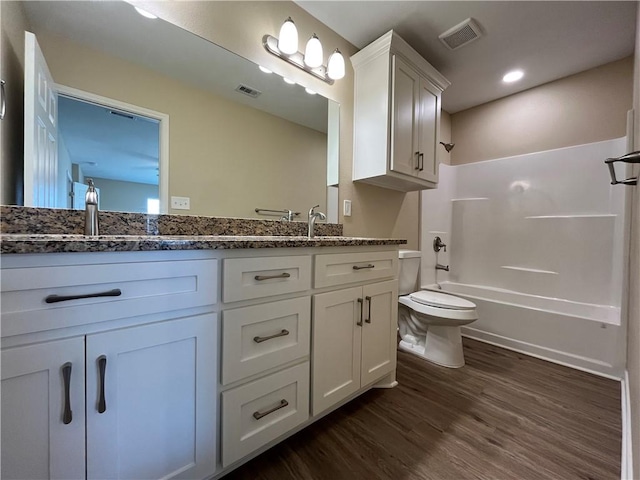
546	39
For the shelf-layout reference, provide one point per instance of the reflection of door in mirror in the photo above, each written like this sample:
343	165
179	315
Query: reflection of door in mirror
81	135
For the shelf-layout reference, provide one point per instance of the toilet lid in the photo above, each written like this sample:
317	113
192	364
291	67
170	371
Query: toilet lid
441	300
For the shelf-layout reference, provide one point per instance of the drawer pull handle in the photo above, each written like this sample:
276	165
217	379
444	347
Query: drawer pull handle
368	299
359	322
371	265
283	333
258	415
102	367
66	376
269	277
116	292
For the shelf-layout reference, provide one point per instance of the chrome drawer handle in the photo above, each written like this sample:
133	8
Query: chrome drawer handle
269	277
283	333
116	292
356	267
258	415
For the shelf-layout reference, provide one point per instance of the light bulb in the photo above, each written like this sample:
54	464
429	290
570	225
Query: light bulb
309	91
335	67
290	82
513	76
313	52
288	41
265	70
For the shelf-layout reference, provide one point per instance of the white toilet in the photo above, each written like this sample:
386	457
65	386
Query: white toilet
429	322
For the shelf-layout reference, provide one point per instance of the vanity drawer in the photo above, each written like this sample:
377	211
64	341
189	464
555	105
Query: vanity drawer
247	278
344	268
255	339
261	411
133	288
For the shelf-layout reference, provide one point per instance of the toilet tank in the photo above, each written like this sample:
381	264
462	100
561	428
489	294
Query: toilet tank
408	274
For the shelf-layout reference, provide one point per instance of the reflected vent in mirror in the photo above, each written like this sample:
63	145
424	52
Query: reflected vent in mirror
461	35
252	92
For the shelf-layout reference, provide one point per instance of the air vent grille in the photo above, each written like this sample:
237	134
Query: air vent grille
252	92
462	34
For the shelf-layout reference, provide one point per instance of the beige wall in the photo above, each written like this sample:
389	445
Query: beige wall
239	27
118	196
227	157
633	331
583	108
13	24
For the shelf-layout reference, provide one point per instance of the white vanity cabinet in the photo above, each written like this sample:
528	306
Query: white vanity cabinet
98	392
396	116
265	351
354	329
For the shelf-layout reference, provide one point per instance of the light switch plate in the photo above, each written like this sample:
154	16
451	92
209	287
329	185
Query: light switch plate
347	208
181	203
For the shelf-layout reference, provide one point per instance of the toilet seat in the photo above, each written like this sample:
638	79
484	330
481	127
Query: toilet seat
436	315
441	300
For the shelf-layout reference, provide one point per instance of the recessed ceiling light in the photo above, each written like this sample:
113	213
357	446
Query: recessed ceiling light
290	82
265	70
144	13
513	76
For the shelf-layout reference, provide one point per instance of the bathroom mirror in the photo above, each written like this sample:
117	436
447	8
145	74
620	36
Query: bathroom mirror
235	138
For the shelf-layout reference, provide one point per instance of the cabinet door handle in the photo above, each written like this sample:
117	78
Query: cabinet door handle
258	415
368	299
66	376
269	277
359	322
283	333
116	292
102	367
3	100
421	161
356	267
418	162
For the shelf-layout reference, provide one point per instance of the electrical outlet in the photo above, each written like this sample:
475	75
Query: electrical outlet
180	203
347	208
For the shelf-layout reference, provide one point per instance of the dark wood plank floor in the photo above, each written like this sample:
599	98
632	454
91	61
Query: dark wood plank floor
503	416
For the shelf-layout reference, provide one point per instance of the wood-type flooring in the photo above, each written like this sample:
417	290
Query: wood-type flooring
504	415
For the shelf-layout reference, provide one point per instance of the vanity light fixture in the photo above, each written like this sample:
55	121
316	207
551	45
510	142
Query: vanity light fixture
286	48
290	82
513	76
144	13
263	69
309	91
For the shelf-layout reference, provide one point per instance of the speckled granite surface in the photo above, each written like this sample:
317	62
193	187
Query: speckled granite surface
17	243
44	230
27	220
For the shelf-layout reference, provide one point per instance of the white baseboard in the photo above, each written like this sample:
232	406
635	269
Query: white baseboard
626	463
562	358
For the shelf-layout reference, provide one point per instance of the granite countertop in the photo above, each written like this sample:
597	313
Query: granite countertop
45	243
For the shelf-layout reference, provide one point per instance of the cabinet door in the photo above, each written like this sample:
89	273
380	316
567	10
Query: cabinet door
404	131
158	417
41	437
379	330
336	346
428	131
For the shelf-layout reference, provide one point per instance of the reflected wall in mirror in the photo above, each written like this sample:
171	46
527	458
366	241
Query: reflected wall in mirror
237	139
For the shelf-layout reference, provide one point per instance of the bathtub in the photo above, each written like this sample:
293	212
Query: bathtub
580	335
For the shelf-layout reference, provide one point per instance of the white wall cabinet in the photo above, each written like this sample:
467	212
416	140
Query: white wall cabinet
354	332
397	116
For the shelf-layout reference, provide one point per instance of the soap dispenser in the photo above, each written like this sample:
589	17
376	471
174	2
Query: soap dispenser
91	210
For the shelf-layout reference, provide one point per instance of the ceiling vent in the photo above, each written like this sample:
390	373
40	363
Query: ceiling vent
462	34
252	92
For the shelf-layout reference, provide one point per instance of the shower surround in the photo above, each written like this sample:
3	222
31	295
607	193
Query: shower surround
537	241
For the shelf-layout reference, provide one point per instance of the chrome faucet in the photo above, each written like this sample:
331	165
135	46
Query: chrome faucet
438	243
313	216
91	210
442	267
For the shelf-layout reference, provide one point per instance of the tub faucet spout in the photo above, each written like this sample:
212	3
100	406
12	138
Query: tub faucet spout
442	267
